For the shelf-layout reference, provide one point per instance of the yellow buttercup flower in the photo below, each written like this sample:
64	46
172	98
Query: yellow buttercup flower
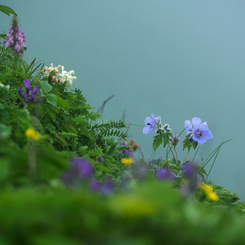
209	192
206	188
32	134
212	196
127	160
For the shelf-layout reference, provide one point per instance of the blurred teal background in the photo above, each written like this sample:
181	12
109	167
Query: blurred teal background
176	59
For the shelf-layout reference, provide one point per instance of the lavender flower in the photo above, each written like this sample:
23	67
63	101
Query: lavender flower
95	185
174	139
165	174
105	188
27	96
200	131
130	153
81	169
150	123
190	175
16	38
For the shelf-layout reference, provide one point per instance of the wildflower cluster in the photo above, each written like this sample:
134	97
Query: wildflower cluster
15	38
57	76
82	170
28	94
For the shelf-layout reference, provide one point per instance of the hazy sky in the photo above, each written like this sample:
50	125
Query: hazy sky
176	59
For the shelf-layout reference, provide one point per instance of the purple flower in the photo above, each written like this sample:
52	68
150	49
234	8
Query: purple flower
190	124
27	84
107	187
200	131
165	174
130	153
189	170
83	168
174	139
150	123
95	185
20	90
35	90
27	96
190	175
16	38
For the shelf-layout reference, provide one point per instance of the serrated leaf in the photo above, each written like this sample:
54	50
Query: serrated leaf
46	87
157	141
51	99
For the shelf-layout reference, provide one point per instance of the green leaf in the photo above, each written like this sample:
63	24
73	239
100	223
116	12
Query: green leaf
7	10
60	140
157	141
68	129
62	103
51	99
166	139
46	87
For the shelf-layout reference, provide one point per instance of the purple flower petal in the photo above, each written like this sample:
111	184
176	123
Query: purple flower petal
27	84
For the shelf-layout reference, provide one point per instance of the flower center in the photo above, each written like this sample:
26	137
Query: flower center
198	133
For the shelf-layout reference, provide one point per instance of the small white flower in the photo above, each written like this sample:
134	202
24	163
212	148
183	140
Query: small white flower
66	76
46	70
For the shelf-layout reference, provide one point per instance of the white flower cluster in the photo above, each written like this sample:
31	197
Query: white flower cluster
59	77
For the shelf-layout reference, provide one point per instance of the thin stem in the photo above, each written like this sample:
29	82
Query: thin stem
142	154
213	162
195	154
210	156
173	153
186	156
176	154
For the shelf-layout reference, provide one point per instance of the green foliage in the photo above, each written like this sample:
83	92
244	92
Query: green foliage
46	208
143	216
7	10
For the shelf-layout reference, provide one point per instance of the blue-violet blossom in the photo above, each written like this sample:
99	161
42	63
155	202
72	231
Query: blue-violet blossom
150	123
27	95
200	131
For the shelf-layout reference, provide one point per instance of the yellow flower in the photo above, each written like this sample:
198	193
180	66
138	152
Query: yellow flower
209	192
206	188
32	134
212	196
127	160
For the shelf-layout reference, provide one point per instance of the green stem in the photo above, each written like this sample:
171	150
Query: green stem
186	156
173	153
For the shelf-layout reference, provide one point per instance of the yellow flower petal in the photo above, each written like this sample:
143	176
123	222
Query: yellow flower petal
212	196
206	188
127	160
32	134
